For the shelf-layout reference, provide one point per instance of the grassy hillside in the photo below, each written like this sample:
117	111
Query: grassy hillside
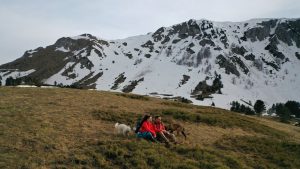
67	128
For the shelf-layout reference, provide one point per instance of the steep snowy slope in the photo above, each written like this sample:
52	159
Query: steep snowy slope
200	60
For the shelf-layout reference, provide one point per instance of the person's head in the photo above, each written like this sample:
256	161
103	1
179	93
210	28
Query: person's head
150	118
147	118
157	119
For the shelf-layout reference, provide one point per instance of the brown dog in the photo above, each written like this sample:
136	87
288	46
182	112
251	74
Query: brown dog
176	127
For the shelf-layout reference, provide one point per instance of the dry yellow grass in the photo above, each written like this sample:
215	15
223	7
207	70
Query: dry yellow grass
48	128
292	131
204	135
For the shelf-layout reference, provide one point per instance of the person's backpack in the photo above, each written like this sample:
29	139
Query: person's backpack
138	125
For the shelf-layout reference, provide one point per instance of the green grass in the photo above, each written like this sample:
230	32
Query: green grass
67	128
178	104
265	152
115	116
133	96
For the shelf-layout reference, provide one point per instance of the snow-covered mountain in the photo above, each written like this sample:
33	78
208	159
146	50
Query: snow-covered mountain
200	60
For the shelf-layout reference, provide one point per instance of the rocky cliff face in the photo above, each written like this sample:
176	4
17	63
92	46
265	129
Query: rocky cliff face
198	59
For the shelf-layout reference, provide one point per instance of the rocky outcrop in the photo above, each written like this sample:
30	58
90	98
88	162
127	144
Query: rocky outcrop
89	81
132	85
203	90
118	80
273	49
250	57
227	65
196	59
241	64
238	50
288	32
184	80
262	32
157	35
190	28
149	44
272	64
205	42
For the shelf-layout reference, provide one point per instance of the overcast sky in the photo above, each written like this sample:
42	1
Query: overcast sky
28	24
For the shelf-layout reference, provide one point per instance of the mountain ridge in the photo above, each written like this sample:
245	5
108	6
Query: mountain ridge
253	60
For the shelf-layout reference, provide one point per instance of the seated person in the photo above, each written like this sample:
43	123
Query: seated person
161	132
146	129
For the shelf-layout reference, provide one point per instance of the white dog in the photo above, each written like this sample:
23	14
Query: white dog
122	129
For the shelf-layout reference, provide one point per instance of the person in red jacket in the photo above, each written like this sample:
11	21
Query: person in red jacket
161	132
147	130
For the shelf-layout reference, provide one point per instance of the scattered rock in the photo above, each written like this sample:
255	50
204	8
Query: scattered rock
179	99
167	39
218	48
175	41
250	57
297	55
190	51
129	55
147	55
204	42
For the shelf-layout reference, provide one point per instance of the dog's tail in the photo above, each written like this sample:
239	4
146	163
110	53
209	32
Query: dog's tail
116	125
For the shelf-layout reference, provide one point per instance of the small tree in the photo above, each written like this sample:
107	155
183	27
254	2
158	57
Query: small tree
272	110
243	108
233	80
294	108
9	81
249	111
235	106
259	107
283	112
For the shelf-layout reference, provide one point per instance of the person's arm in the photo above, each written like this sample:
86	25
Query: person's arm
156	128
143	127
152	129
163	127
